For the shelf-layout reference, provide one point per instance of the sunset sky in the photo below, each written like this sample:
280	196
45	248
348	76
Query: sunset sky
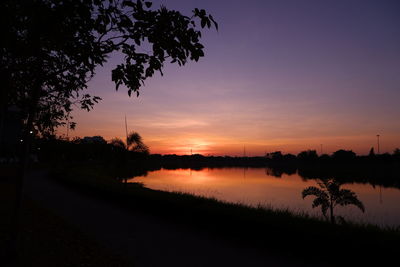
278	75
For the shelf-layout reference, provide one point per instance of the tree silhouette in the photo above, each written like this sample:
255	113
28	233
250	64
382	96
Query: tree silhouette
50	49
329	195
275	156
308	155
344	155
371	152
118	143
135	143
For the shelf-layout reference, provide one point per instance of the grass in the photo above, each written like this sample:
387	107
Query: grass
294	235
46	239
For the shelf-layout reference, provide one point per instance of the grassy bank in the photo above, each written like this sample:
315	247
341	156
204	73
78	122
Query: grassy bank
283	232
46	239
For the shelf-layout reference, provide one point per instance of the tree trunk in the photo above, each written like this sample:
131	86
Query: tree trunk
23	168
3	108
27	135
332	216
2	119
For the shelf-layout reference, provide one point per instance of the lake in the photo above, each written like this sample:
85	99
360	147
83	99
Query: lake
256	186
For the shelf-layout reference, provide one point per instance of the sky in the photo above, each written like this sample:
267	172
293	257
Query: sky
277	75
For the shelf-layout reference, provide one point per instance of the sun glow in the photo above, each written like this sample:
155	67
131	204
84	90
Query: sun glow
191	146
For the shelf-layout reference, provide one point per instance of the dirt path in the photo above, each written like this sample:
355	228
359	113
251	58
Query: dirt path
146	240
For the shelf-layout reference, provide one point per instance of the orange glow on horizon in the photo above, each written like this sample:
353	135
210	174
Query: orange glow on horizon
219	146
285	86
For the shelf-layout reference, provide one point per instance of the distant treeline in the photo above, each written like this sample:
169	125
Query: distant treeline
96	148
344	165
340	155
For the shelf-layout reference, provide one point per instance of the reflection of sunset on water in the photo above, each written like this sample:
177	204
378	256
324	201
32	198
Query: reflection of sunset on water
253	186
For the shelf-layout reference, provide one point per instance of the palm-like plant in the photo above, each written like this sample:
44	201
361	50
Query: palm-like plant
117	142
135	143
329	195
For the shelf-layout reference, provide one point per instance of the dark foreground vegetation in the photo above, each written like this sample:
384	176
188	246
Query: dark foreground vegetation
46	239
309	239
101	169
50	50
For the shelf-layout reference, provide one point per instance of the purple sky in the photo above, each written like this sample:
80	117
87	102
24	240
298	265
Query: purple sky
278	75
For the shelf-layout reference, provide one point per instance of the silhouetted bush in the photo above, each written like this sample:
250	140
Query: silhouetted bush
309	155
344	155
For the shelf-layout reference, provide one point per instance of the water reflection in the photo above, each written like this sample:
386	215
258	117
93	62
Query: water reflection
375	176
279	188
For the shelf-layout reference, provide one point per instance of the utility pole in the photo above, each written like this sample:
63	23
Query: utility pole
321	149
377	136
126	131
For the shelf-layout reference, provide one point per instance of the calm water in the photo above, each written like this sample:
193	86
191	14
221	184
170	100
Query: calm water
253	186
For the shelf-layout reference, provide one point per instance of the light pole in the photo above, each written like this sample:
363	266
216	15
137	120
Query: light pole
126	131
377	136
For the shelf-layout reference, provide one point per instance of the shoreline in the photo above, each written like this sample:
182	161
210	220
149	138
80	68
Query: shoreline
235	222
